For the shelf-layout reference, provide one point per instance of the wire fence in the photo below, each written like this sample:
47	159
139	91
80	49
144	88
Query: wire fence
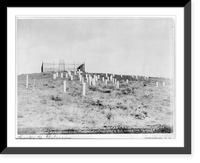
54	67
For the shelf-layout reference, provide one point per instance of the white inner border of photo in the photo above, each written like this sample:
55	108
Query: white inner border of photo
150	141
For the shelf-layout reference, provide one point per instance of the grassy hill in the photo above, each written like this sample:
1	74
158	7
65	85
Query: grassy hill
135	107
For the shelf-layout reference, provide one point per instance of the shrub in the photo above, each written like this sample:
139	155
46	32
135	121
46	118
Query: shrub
126	91
93	88
57	98
109	115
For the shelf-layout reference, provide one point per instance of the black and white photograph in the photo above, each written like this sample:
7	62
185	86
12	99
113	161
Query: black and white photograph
95	77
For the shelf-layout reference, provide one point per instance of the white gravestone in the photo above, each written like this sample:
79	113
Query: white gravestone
54	76
163	84
64	82
83	89
117	84
93	81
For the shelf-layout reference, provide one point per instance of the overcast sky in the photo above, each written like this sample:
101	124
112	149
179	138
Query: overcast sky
136	46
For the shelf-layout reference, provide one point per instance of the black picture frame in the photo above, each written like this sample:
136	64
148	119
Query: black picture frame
4	149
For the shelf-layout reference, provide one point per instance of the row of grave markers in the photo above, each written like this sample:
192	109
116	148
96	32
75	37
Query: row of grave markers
89	80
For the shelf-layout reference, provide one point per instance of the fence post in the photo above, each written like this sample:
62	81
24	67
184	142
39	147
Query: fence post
26	81
106	81
61	75
163	84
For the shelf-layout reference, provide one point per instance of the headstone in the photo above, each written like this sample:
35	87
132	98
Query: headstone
126	80
163	84
83	89
117	84
93	81
26	81
156	84
64	82
90	80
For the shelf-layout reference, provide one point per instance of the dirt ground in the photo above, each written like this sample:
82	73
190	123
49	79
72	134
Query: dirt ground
136	107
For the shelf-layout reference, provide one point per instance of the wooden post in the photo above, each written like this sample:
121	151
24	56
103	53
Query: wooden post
66	75
71	77
106	81
26	81
103	79
64	82
83	89
61	75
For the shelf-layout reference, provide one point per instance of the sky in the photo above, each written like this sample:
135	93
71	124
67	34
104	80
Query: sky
132	46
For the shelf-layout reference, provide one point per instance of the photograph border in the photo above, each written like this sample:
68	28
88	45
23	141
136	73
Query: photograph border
4	149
